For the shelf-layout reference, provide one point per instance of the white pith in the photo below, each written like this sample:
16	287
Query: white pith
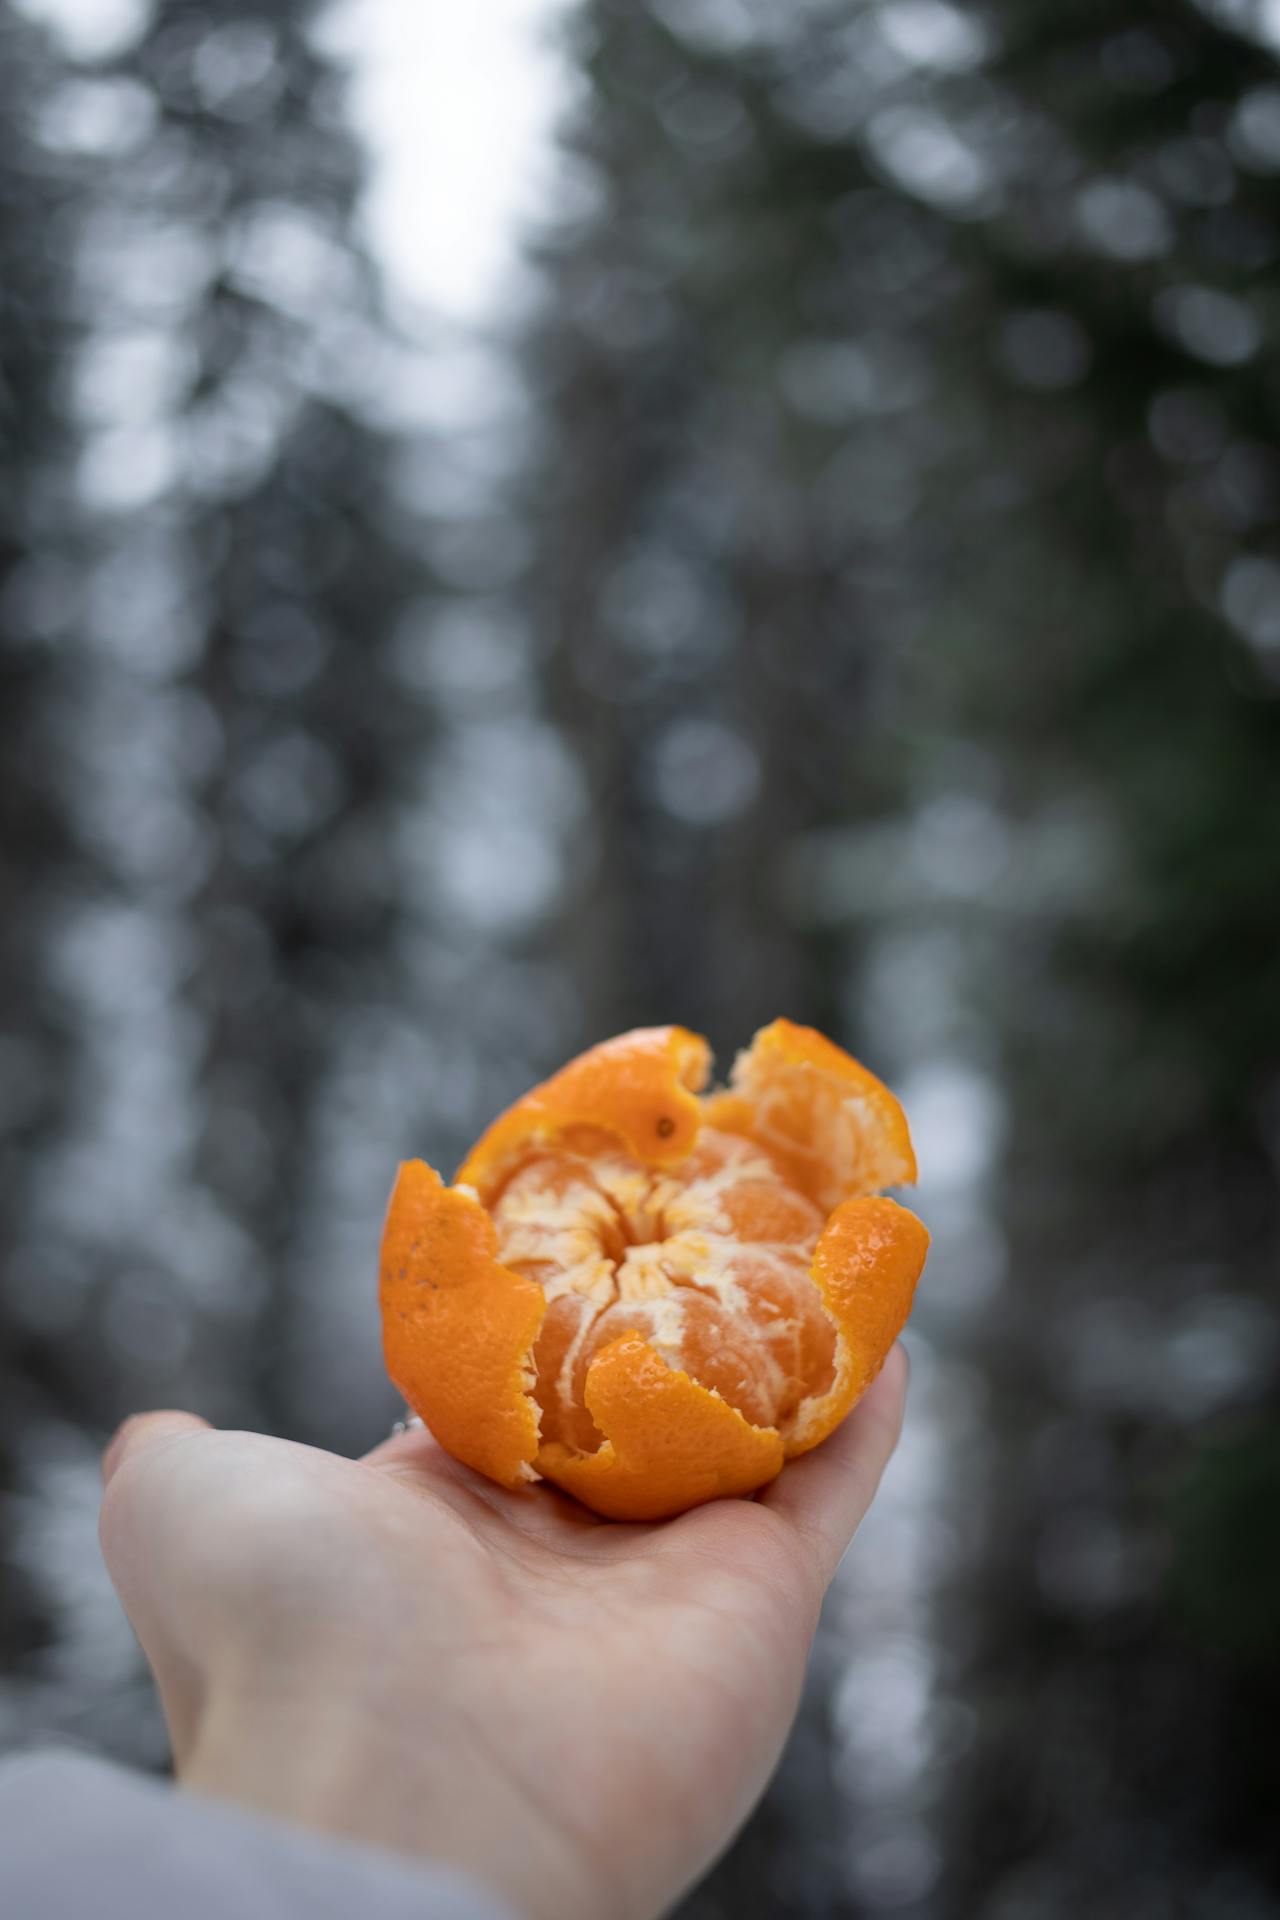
842	1126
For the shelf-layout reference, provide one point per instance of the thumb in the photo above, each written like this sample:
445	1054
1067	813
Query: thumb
138	1537
142	1431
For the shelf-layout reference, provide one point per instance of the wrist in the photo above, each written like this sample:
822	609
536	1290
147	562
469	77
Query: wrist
408	1777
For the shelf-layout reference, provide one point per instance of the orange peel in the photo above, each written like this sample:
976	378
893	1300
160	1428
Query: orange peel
835	1128
652	1296
642	1086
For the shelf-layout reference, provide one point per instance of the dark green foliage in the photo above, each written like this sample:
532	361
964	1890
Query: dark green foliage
1224	1575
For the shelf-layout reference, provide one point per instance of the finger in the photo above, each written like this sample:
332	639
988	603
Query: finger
135	1524
541	1511
416	1456
411	1443
140	1432
825	1494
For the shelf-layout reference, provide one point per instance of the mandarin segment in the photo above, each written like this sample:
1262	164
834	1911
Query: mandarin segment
640	1292
670	1443
560	1366
458	1327
697	1333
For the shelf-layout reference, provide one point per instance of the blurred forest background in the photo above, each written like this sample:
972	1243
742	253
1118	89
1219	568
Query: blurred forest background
842	579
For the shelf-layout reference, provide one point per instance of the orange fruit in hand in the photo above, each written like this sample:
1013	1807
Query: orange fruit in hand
649	1295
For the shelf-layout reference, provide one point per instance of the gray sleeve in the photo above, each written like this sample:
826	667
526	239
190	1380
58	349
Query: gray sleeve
78	1836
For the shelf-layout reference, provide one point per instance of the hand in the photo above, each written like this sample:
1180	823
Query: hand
577	1712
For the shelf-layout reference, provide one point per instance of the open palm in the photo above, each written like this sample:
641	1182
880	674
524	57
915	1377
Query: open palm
578	1712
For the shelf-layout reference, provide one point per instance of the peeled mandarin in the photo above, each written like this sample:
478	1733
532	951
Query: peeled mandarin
650	1297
